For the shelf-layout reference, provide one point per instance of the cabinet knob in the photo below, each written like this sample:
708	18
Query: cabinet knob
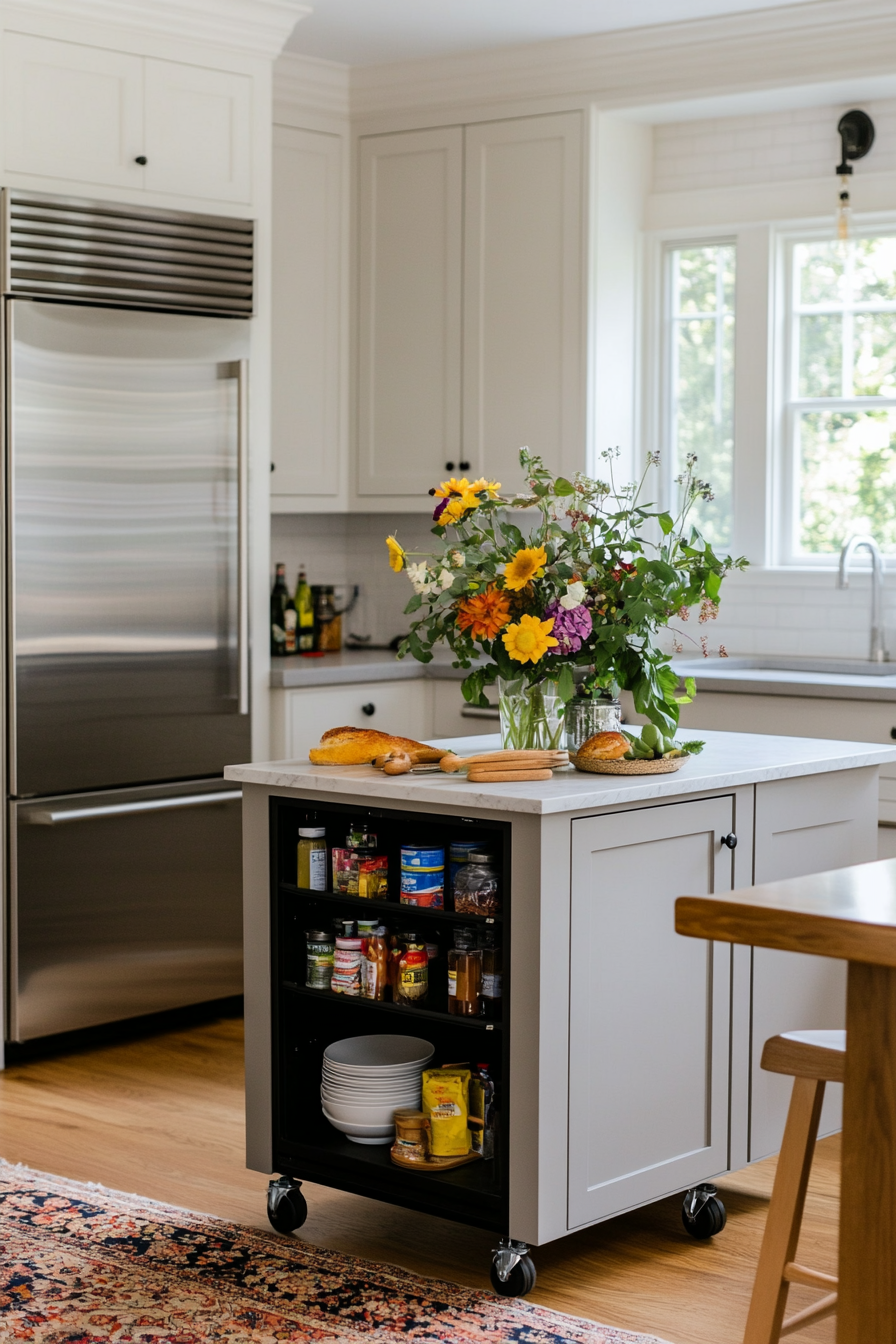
464	466
893	734
273	466
449	466
730	840
142	160
369	709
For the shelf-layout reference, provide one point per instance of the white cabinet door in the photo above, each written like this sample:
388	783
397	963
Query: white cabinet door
198	126
806	825
649	1010
524	296
306	447
300	717
72	112
409	310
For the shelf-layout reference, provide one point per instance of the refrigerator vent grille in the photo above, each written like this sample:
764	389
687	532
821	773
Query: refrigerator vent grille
127	256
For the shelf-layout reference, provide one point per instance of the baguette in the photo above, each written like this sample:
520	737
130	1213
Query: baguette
360	746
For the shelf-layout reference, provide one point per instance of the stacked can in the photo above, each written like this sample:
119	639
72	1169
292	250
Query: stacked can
346	978
423	876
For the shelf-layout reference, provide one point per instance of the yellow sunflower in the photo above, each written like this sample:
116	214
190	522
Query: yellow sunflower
396	555
482	485
526	565
456	507
452	487
529	639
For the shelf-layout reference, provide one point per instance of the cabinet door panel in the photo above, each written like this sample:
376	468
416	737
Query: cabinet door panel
409	311
523	295
198	131
399	707
649	1010
306	313
72	112
803	826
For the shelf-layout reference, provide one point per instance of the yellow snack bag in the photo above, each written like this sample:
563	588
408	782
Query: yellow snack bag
446	1101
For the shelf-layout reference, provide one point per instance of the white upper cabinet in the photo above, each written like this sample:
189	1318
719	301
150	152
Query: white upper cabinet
524	296
72	112
197	131
409	311
88	115
307	419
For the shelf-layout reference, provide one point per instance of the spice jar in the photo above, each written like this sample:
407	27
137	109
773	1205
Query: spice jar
312	858
491	975
464	974
413	973
375	967
459	852
319	959
477	885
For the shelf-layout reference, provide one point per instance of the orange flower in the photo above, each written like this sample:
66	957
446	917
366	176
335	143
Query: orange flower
484	614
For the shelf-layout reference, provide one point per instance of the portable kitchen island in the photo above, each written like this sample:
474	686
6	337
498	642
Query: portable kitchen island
626	1060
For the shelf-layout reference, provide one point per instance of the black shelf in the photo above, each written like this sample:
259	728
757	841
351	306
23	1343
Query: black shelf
373	1005
411	912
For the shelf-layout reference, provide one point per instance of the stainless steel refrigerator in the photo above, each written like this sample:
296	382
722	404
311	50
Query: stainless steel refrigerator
126	622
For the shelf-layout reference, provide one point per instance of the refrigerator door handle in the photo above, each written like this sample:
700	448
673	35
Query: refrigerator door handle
243	530
49	817
9	464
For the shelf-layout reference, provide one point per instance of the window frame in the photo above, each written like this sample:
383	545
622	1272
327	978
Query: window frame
790	405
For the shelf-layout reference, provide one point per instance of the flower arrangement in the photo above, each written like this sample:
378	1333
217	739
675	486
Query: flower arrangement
590	585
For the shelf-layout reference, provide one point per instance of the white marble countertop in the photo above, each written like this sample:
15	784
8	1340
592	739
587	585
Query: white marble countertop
729	759
353	666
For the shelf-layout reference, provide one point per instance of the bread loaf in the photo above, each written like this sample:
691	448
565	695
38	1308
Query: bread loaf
359	746
604	747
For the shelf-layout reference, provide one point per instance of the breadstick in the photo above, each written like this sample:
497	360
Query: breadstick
501	758
479	775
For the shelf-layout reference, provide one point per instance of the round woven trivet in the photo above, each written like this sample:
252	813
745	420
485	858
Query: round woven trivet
657	767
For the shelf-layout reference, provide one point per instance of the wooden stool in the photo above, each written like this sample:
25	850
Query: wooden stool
812	1058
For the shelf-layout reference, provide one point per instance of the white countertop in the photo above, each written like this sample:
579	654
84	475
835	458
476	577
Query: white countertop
743	676
353	666
729	759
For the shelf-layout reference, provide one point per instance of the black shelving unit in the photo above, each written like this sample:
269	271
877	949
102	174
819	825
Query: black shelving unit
306	1021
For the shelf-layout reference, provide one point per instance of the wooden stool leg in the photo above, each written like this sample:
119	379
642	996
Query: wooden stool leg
785	1214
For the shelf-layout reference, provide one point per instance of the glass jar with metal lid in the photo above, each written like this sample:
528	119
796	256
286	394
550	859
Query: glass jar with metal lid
477	887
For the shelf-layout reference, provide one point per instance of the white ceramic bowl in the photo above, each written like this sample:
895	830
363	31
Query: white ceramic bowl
375	1089
362	1115
379	1052
361	1099
370	1134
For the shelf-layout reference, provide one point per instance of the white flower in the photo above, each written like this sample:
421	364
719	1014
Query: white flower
573	597
419	576
457	559
445	579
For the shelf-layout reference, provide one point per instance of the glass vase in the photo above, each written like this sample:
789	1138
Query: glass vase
531	714
587	715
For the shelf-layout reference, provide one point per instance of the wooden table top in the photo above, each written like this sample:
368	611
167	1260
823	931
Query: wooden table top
849	913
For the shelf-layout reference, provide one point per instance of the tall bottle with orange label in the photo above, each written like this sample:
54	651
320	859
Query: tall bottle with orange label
413	973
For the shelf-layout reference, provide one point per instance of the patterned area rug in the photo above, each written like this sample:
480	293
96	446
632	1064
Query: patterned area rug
85	1265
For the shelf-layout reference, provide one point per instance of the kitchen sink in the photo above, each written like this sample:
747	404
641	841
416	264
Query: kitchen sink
768	665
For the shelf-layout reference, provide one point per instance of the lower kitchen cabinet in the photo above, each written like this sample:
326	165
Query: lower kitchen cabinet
299	717
627	870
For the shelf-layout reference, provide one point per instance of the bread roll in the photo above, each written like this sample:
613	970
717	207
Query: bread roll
359	746
604	747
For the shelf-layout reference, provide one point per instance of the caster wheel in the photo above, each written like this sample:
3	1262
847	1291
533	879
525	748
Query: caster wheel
519	1282
703	1213
287	1209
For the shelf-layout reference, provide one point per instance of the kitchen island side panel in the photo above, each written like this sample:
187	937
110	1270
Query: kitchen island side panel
257	986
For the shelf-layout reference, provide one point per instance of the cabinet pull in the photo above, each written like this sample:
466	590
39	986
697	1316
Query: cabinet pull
449	466
730	840
369	709
464	466
142	160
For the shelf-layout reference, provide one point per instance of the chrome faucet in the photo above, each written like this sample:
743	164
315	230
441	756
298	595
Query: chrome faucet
878	652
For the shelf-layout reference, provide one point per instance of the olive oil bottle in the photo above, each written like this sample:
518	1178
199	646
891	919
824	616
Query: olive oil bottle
305	613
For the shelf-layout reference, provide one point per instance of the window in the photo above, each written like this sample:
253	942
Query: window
700	363
840	417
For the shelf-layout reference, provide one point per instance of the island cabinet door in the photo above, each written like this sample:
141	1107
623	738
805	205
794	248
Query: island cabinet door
649	1010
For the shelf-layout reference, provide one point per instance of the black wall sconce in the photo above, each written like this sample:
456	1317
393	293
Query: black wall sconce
856	131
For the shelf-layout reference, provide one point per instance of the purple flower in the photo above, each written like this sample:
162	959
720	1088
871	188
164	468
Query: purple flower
570	627
439	509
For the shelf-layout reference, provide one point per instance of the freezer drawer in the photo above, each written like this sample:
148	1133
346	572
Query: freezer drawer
123	903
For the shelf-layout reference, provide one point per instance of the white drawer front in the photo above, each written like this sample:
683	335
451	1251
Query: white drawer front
299	719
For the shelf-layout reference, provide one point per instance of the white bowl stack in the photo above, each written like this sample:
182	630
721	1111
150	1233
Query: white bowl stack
366	1079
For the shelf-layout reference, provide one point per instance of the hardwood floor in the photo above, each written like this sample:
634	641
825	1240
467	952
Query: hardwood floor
163	1117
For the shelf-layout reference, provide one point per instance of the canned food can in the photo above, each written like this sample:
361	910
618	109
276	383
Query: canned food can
423	876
